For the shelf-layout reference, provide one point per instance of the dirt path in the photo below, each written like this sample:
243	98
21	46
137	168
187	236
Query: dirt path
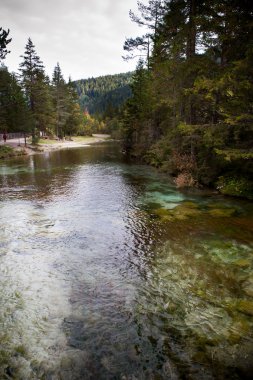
19	144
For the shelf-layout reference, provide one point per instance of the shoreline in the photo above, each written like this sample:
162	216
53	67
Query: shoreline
19	149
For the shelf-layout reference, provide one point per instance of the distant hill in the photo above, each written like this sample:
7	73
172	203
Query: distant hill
102	94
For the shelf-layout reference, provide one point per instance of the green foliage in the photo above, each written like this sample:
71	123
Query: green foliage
6	151
14	113
35	105
236	186
96	95
191	113
90	125
4	41
113	126
160	154
60	100
234	154
37	90
137	112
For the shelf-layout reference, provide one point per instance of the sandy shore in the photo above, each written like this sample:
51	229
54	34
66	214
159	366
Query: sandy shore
51	145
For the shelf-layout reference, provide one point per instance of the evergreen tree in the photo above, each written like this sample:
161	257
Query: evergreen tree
44	108
95	94
198	92
137	108
150	16
60	95
4	41
14	113
73	111
36	87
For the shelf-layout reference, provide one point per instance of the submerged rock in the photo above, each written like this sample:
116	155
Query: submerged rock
211	324
222	212
161	212
234	356
239	329
75	364
245	307
190	204
247	286
242	263
228	252
183	211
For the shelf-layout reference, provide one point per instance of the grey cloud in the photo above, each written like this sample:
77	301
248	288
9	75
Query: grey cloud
85	36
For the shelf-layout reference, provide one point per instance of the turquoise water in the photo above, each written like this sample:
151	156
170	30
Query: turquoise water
109	272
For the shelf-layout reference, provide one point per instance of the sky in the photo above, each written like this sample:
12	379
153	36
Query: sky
86	37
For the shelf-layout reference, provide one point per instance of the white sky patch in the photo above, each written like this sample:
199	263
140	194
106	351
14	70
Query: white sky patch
86	37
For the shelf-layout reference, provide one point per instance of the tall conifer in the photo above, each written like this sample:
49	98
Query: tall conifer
36	87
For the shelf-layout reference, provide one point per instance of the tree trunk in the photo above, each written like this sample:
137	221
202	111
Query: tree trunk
192	32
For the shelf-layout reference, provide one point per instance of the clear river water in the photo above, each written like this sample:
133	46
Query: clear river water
107	271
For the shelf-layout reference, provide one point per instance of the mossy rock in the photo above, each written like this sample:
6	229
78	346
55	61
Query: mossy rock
183	212
153	205
200	356
247	286
211	323
245	307
236	186
222	212
4	357
161	212
220	244
21	350
242	263
190	204
216	205
239	330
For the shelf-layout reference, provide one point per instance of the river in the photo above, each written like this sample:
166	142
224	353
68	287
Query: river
109	272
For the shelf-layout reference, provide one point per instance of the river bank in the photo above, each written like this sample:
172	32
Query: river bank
17	147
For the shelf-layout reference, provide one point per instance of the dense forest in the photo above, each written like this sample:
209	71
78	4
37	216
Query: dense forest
191	113
187	109
105	94
33	104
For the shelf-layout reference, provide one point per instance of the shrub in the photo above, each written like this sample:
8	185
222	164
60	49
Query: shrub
185	180
6	151
236	186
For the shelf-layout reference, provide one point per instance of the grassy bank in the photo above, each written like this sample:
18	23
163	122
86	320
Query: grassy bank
7	151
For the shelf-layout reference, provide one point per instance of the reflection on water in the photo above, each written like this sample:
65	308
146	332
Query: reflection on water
108	272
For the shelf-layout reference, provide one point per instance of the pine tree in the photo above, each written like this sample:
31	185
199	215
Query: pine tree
14	113
60	96
74	119
32	71
138	109
198	92
36	88
4	41
44	109
150	16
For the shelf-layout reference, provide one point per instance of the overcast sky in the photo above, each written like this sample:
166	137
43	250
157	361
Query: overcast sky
86	37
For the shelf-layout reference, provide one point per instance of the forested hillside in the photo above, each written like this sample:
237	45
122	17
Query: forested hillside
191	113
103	94
31	103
